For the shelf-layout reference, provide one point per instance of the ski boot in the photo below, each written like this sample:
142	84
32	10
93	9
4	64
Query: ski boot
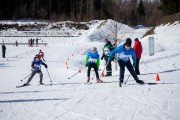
88	79
99	81
120	83
140	82
26	84
41	83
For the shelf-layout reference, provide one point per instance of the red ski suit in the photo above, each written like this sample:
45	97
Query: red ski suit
138	49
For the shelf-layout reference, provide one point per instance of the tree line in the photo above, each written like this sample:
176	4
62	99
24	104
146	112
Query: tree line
131	12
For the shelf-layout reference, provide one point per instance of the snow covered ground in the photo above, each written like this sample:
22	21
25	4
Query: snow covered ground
71	99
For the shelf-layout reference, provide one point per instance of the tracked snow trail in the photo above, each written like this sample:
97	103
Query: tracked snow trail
69	99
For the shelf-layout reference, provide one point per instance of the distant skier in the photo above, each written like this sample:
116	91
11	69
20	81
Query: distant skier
3	50
36	68
16	43
41	55
125	52
93	61
108	47
138	50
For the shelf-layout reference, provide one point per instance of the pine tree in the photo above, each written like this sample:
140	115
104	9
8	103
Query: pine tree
170	7
140	9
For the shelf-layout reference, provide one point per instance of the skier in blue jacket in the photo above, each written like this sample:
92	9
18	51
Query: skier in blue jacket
93	61
125	52
36	68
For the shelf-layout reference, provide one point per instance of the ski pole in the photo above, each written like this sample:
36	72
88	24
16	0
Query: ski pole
127	79
93	76
76	73
25	77
104	69
49	76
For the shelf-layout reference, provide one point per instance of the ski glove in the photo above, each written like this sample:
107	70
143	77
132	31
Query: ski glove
46	66
102	57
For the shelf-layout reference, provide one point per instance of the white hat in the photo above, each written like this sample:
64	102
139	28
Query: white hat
94	49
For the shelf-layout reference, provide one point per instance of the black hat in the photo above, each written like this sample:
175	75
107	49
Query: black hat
106	40
136	39
128	42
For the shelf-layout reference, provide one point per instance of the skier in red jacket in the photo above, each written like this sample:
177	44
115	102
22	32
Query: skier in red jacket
41	55
138	50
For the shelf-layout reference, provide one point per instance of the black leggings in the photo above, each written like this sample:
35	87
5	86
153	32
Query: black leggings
129	66
93	65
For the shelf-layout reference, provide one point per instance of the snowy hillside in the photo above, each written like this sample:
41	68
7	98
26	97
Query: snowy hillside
71	99
96	30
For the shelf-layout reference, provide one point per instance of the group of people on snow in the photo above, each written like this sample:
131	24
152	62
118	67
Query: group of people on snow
32	41
124	53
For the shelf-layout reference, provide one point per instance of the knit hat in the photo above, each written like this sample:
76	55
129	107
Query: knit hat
94	49
106	40
136	39
128	42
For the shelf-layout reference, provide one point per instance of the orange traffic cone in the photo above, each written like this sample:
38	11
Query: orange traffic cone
103	74
157	77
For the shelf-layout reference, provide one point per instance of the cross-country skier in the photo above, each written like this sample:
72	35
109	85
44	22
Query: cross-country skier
108	47
36	68
125	52
41	55
93	61
138	50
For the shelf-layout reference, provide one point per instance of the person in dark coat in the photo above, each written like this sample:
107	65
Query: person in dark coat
3	50
108	47
16	43
138	50
125	53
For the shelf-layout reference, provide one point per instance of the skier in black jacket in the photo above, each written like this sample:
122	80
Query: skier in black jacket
3	50
108	47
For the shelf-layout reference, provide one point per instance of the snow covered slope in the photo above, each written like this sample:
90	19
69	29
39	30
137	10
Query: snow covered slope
71	99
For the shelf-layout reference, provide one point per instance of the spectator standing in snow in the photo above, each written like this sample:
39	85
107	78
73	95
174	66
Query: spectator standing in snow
3	50
138	50
125	52
16	43
41	55
37	41
93	61
108	47
36	68
33	41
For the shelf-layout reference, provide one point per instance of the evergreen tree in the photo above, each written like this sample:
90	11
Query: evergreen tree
170	7
141	10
